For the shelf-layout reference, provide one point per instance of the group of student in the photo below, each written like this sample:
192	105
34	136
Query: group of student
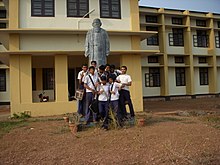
110	87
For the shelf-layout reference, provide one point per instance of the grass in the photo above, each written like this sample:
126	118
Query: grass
213	120
153	120
7	126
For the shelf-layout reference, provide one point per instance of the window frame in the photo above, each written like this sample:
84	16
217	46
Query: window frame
176	38
153	40
203	76
179	60
48	84
151	19
152	79
199	38
78	9
180	74
202	60
201	23
42	9
3	82
3	14
177	21
153	59
110	9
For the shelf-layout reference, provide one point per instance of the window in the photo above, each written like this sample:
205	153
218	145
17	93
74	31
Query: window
180	77
176	38
153	59
218	24
179	59
152	79
201	39
2	80
3	25
202	60
77	8
203	76
2	13
48	78
217	40
42	8
153	40
34	79
177	21
151	19
110	9
201	23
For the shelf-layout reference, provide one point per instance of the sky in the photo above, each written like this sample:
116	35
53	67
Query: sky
212	6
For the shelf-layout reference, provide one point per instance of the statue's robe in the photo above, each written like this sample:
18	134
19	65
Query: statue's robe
97	46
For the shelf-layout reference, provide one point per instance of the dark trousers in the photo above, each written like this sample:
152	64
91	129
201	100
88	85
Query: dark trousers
125	96
89	99
115	109
82	103
103	111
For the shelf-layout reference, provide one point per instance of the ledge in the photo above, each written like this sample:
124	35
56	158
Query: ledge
78	53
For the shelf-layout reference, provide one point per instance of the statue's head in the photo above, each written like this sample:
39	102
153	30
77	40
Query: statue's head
97	23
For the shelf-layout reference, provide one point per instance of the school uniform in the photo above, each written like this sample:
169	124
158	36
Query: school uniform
81	103
104	102
125	95
114	98
89	95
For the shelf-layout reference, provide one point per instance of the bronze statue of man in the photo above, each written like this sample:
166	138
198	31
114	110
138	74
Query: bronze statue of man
97	43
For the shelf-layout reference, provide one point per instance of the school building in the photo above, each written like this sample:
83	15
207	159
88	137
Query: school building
167	52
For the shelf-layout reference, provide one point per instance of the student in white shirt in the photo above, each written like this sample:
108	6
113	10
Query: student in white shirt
80	77
126	81
90	83
114	97
104	101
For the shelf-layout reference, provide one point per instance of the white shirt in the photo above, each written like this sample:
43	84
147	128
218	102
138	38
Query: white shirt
79	77
124	79
115	87
88	81
105	94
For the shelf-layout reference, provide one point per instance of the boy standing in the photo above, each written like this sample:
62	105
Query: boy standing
114	97
90	83
104	101
81	77
126	81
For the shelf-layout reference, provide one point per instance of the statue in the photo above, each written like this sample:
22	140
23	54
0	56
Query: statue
97	43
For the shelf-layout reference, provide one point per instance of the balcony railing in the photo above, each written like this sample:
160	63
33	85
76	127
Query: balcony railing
201	41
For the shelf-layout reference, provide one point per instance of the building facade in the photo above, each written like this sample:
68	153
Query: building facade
189	60
167	52
44	49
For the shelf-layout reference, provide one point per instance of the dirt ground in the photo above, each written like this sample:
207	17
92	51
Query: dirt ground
165	139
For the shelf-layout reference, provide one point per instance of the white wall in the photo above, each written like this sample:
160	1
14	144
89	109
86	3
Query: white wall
67	42
148	91
62	21
5	96
199	89
173	89
218	61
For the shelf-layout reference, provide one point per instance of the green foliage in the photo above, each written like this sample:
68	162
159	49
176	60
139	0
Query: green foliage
21	115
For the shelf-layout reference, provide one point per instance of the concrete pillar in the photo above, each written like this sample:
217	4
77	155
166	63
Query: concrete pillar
61	78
